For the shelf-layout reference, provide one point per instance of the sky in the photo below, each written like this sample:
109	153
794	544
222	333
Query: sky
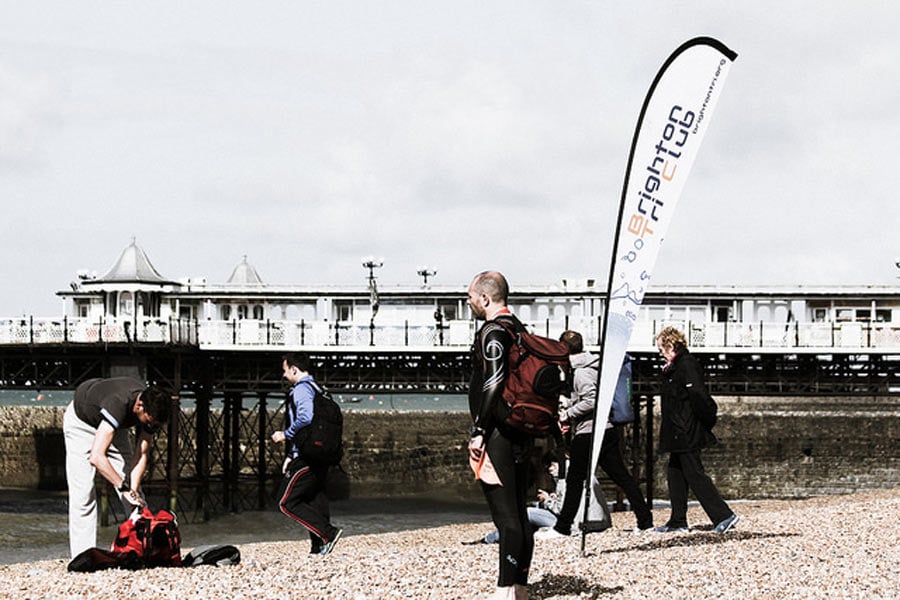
461	136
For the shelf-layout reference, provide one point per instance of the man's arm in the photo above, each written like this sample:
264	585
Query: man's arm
102	441
495	350
302	397
140	466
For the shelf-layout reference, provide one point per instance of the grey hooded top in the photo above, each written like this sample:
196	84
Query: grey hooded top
580	407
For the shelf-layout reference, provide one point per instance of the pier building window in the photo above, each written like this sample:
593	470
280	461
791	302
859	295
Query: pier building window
126	303
226	312
722	313
881	315
449	311
259	312
343	311
242	311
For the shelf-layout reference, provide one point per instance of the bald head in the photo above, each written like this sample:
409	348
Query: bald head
488	294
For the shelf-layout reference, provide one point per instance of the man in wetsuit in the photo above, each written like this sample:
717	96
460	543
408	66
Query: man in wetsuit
96	427
507	449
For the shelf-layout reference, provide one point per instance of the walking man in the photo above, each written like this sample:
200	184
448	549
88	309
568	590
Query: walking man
579	412
506	449
302	493
96	426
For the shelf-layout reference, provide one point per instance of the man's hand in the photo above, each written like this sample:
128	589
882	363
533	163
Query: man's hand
133	497
278	437
284	467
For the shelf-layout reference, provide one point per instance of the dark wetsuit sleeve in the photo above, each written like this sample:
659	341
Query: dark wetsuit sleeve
494	351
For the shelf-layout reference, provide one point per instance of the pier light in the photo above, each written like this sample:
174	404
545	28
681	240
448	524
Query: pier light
371	263
425	273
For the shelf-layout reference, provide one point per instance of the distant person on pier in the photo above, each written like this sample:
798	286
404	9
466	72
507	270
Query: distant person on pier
96	427
302	492
578	411
688	416
507	451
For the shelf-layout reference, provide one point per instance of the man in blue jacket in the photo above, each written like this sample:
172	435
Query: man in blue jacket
302	493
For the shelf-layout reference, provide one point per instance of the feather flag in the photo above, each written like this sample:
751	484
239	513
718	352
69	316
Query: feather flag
673	120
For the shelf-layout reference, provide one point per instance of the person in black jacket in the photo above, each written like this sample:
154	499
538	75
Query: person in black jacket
506	449
685	429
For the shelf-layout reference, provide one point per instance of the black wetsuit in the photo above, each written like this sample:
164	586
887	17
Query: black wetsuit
508	450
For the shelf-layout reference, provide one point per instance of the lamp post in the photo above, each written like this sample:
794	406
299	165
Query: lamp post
371	263
425	273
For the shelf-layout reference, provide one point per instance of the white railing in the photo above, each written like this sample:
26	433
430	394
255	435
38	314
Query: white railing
250	333
65	330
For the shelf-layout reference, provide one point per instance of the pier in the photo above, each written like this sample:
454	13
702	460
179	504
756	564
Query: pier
221	344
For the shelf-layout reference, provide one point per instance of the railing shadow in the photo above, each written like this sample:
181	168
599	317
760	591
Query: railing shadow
697	538
553	586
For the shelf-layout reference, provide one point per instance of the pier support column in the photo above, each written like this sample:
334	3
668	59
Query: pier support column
261	462
203	396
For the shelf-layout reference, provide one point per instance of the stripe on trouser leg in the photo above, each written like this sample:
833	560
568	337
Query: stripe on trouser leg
287	492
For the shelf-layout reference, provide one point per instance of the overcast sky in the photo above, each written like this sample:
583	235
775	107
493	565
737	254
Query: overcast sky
459	135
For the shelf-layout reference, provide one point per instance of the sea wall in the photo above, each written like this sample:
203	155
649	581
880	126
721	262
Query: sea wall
769	448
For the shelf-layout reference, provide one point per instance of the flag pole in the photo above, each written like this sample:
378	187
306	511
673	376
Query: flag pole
678	122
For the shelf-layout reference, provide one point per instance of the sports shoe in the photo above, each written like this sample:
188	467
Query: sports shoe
327	548
727	523
549	534
670	529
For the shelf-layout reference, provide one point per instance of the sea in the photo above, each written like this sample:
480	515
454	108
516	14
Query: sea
33	523
417	402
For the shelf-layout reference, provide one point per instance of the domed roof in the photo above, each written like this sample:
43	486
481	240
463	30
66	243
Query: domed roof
133	266
244	275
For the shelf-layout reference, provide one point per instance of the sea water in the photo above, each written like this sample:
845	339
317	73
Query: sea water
348	401
33	523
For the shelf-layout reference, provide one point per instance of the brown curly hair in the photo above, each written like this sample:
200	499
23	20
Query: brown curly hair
671	337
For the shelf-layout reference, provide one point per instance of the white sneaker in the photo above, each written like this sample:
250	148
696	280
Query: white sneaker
548	533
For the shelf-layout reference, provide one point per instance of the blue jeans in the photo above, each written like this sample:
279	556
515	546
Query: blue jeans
537	517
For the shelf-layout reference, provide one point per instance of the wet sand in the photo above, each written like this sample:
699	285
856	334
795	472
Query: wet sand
830	547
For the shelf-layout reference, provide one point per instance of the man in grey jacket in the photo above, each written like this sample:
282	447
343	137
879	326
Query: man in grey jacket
578	410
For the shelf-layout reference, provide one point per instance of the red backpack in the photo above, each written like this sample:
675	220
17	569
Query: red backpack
154	538
538	371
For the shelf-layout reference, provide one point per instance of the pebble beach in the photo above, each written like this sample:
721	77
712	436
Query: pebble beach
828	547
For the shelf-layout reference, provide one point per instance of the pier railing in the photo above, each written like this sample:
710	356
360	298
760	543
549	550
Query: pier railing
250	334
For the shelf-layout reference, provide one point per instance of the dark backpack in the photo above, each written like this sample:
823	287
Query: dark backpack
154	538
217	555
705	409
538	370
321	442
97	559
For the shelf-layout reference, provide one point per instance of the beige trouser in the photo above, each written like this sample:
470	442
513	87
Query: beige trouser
80	475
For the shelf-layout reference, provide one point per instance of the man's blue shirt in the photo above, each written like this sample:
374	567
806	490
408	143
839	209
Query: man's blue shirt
301	397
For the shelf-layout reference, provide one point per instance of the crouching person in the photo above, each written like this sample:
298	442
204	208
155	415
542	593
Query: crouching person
96	427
